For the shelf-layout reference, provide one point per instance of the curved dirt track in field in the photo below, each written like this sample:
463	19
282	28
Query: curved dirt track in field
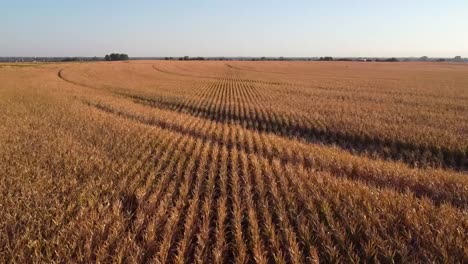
60	75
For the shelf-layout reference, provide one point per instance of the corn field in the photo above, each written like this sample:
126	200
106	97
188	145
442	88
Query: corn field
234	162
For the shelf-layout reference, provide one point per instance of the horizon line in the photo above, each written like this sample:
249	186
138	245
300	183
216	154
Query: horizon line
196	56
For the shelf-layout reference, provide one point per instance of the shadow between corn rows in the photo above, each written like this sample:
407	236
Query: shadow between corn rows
418	189
412	154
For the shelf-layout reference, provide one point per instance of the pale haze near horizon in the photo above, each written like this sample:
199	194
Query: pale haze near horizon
235	28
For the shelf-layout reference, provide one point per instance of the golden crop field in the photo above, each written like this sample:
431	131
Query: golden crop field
234	162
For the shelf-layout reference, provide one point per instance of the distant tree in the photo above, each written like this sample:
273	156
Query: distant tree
186	58
424	58
326	58
116	57
457	58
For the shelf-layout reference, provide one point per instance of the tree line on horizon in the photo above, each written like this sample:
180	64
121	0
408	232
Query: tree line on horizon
123	56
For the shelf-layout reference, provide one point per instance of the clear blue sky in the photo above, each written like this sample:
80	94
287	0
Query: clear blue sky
436	28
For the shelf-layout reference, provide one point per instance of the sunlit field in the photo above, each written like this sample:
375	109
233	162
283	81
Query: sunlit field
234	162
